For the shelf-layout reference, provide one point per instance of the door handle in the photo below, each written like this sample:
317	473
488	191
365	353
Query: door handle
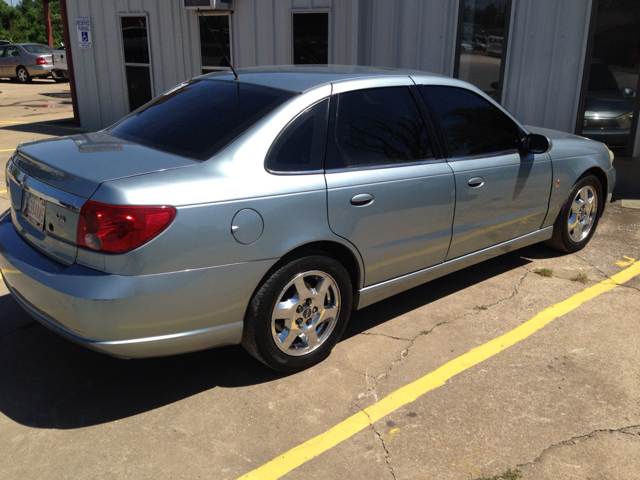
476	182
362	200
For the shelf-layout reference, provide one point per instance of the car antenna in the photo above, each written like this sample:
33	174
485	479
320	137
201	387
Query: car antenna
219	44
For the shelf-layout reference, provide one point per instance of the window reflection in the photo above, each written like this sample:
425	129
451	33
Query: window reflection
613	75
471	124
481	45
379	126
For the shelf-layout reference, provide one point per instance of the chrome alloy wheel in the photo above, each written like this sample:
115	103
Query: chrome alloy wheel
583	213
305	313
23	75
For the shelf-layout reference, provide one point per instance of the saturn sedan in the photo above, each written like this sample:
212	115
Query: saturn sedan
261	210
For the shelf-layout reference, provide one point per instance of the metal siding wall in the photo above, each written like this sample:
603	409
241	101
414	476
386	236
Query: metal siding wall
412	34
546	51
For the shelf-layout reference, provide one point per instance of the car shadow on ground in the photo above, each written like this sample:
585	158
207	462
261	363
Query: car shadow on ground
59	128
49	382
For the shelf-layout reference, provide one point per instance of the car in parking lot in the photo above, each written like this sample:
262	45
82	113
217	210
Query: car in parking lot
262	209
24	61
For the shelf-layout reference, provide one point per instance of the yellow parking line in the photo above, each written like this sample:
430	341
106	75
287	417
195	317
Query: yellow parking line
3	191
7	121
8	150
295	457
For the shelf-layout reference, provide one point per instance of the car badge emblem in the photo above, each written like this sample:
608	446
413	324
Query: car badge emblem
61	218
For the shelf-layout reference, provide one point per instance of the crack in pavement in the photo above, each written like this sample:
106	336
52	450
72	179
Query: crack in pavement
405	352
384	445
24	327
583	438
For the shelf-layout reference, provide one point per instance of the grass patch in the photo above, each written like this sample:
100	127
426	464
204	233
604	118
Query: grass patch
427	332
480	307
508	475
544	272
581	277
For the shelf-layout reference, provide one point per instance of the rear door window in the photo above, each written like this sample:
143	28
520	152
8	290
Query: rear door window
199	118
300	146
472	126
379	126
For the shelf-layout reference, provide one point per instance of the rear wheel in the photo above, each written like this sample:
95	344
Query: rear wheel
578	217
298	314
23	75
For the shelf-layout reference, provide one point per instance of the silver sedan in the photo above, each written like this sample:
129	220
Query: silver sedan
24	61
262	209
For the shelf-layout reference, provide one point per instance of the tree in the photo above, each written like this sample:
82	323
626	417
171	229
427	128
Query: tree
24	23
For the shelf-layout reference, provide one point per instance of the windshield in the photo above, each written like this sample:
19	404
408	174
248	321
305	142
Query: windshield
199	118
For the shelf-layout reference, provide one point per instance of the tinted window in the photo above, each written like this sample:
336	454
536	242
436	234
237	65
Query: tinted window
310	38
300	146
472	125
377	127
13	52
200	118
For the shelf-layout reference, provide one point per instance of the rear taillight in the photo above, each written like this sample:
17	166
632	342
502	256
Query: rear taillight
120	229
41	61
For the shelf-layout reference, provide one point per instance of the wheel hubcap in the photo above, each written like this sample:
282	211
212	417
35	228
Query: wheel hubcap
583	213
22	74
305	313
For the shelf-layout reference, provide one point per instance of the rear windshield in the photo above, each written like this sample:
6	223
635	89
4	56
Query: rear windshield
37	48
200	118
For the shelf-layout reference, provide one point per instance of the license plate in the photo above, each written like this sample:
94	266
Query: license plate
33	209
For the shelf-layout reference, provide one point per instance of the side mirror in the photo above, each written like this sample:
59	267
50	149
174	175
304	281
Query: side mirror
535	143
628	92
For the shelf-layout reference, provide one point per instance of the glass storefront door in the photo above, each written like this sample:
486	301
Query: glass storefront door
609	108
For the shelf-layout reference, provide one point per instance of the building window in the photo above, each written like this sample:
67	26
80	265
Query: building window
483	29
137	62
310	38
215	42
610	102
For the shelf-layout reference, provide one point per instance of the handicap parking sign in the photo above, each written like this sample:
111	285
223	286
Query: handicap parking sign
83	26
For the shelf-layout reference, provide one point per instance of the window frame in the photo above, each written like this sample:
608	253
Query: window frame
303	11
125	64
434	139
442	135
213	13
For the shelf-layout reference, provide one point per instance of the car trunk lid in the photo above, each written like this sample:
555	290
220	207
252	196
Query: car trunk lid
80	163
49	181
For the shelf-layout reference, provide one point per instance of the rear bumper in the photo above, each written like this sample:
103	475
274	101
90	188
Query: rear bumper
130	316
39	70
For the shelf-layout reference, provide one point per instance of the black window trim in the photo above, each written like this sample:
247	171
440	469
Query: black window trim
438	153
443	137
324	152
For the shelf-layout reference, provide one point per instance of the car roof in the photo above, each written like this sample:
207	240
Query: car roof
300	78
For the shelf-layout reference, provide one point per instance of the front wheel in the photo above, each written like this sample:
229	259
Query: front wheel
578	217
298	314
23	75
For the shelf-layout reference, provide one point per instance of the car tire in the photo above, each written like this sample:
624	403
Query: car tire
22	75
59	80
299	313
578	217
